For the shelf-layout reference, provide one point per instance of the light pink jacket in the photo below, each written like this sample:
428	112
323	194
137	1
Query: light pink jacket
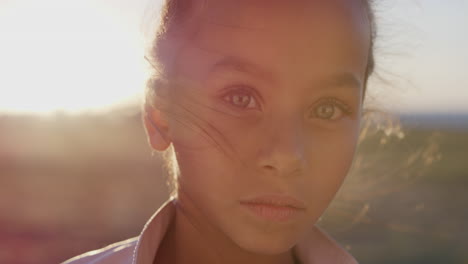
142	249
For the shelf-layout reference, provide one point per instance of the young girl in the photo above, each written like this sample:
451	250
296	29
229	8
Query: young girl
261	102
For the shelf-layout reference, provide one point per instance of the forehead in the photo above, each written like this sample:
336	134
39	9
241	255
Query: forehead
299	34
259	12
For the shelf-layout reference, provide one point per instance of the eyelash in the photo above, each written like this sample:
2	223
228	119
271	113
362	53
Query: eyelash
246	91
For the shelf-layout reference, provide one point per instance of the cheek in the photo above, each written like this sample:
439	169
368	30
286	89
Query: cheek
333	151
205	155
220	140
329	159
196	127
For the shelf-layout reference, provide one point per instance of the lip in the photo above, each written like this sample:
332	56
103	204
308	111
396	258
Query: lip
275	207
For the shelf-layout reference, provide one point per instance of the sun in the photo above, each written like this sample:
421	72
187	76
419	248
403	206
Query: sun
63	56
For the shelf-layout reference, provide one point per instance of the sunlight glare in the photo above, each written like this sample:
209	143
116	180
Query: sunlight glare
65	56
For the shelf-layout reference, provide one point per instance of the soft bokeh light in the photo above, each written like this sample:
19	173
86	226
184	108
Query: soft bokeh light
67	55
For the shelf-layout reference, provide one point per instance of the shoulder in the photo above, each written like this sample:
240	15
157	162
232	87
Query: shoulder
140	249
117	253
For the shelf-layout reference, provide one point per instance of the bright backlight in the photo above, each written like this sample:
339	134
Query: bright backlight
59	55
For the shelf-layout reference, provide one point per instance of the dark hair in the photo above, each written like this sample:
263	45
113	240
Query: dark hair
173	32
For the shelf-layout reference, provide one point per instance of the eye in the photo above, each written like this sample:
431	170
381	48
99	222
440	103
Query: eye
241	98
330	109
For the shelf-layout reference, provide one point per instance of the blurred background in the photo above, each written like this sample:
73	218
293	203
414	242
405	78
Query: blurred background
77	174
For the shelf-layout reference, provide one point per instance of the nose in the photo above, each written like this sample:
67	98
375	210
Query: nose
281	150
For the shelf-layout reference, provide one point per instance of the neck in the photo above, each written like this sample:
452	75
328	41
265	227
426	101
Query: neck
190	239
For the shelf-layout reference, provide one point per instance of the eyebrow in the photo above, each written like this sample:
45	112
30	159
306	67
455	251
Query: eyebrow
241	65
338	80
345	79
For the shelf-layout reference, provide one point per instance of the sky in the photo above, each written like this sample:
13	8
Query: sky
75	56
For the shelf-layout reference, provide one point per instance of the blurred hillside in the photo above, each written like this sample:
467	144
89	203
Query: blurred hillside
69	184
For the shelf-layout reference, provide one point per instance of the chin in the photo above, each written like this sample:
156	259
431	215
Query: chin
266	245
269	240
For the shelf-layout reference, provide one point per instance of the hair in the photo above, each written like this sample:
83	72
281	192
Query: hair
173	32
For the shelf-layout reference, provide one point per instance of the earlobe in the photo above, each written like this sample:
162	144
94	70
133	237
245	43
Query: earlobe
156	129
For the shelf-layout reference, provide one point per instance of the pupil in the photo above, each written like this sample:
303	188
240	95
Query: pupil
326	111
241	100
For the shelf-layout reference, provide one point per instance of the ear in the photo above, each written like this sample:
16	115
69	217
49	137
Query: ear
156	128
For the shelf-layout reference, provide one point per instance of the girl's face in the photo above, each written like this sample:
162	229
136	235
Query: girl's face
267	101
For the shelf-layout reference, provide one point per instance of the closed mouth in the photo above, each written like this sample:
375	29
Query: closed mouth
275	201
